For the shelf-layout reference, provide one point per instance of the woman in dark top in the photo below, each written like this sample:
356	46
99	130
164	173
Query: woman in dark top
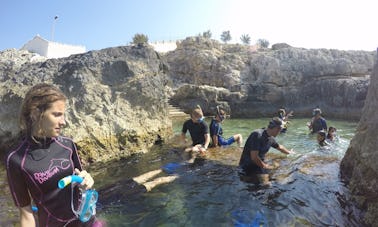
42	158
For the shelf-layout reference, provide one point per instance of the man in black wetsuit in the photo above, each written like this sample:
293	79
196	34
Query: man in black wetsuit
258	144
199	131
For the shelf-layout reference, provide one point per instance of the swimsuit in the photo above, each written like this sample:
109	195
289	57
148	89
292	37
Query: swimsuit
37	168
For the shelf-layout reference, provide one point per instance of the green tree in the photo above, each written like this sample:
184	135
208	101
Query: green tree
226	36
263	43
140	39
245	39
207	34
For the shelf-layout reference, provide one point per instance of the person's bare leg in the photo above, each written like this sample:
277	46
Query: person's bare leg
146	176
158	181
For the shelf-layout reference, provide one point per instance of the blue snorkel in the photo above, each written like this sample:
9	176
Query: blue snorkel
87	206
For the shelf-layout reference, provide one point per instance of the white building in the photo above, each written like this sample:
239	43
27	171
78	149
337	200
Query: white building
164	46
50	49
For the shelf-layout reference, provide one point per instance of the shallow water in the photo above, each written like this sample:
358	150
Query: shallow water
306	189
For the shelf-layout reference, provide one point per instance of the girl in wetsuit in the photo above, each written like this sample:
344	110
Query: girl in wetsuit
41	159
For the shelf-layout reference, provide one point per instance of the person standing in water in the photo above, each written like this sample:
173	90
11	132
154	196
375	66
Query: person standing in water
216	131
198	130
318	123
285	118
252	160
43	157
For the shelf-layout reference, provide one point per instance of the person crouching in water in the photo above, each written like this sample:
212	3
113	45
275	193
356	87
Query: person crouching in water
331	135
198	130
252	160
321	137
216	131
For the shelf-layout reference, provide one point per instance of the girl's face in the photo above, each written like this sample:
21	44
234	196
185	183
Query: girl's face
52	121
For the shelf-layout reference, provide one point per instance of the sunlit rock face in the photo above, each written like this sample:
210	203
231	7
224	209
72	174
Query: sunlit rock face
258	82
359	166
116	98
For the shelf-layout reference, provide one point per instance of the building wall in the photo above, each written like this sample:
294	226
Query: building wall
164	46
37	45
59	50
50	49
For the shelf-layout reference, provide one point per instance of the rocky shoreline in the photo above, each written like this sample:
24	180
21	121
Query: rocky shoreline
118	97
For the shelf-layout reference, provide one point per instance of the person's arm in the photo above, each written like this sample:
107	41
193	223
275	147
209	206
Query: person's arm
310	124
26	216
207	141
257	160
284	149
215	140
324	122
183	137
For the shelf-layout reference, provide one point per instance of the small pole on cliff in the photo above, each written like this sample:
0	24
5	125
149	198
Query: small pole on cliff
53	28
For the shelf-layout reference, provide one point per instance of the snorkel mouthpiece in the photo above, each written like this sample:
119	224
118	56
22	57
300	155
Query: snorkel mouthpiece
68	180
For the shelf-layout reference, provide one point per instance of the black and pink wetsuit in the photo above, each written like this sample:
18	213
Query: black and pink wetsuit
36	168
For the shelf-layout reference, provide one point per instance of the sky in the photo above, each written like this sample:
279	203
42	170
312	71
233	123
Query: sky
98	24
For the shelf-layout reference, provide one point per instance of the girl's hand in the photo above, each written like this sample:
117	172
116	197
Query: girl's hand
87	179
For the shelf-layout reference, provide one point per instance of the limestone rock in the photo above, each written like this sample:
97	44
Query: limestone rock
297	78
278	46
359	165
116	98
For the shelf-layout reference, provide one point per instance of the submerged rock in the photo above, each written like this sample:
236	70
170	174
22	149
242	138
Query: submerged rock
359	166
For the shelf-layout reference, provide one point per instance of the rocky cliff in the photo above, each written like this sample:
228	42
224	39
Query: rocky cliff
116	97
253	83
359	166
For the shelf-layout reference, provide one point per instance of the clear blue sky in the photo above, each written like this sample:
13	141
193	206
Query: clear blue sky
97	24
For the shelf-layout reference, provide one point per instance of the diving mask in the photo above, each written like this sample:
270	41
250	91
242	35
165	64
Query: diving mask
201	119
87	203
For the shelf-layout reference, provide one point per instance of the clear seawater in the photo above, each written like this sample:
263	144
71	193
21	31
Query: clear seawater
306	188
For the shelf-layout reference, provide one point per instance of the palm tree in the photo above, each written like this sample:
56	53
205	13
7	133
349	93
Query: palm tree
207	34
263	43
245	39
226	36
